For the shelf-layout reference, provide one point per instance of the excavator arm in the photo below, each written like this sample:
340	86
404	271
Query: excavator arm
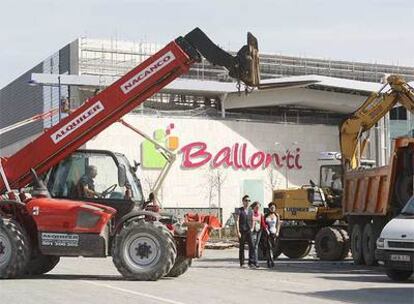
377	105
120	98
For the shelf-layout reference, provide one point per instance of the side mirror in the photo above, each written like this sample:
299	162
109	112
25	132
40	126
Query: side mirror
39	187
121	175
136	166
312	183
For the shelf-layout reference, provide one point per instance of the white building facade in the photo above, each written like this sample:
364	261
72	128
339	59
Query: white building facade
218	161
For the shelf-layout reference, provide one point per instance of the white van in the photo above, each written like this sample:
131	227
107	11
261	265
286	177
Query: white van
395	246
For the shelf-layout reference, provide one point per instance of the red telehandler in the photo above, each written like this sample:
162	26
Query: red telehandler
55	220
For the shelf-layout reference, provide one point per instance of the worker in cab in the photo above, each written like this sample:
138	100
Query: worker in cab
86	184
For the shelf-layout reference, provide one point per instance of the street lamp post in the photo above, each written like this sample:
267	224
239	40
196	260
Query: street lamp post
60	98
286	152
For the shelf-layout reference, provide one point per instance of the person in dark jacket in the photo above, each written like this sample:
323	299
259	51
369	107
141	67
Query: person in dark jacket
243	226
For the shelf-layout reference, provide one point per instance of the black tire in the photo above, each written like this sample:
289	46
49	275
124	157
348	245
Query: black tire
144	251
295	249
329	244
398	275
369	239
41	264
181	265
14	248
347	243
356	245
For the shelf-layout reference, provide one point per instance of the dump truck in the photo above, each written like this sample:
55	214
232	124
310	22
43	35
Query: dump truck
36	229
372	197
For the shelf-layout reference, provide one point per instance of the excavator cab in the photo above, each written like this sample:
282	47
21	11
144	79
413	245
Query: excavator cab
113	183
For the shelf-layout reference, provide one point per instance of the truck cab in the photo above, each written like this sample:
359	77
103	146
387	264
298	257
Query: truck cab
115	184
395	246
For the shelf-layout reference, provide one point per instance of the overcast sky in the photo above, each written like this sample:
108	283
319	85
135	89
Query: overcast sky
379	31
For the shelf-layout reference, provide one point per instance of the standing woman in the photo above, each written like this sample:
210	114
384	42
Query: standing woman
273	223
258	224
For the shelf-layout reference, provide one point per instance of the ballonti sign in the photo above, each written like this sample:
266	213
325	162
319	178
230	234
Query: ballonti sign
196	154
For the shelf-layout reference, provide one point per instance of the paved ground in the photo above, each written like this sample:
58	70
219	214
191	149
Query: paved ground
216	278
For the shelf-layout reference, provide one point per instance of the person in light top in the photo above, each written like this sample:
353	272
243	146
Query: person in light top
257	226
273	223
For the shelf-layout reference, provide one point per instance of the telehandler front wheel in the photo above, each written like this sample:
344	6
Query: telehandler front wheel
41	264
181	265
14	249
144	251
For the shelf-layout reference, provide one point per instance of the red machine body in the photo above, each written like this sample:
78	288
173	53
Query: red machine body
58	215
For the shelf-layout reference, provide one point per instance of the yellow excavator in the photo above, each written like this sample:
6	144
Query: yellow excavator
372	110
315	213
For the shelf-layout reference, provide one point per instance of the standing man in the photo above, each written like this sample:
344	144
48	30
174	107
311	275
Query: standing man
243	226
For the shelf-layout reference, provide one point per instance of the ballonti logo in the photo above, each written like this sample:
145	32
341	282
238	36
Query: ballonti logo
196	154
150	70
151	158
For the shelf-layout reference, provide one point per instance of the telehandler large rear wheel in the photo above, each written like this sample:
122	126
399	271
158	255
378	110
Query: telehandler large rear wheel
14	249
144	251
295	249
181	265
41	264
329	244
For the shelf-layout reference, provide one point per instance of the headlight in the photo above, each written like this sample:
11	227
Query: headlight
380	243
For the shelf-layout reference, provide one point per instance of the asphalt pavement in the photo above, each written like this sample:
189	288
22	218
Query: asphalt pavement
216	278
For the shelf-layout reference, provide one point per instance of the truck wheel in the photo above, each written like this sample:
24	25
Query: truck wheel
398	275
356	245
14	249
329	244
41	264
144	251
369	240
296	249
347	243
181	265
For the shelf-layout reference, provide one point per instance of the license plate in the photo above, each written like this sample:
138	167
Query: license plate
400	257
